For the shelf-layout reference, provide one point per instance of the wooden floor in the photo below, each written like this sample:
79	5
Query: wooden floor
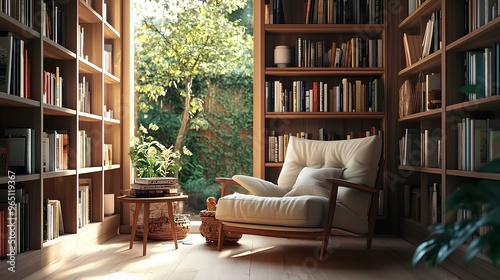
253	257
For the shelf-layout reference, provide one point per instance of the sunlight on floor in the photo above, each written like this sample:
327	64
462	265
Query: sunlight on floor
252	252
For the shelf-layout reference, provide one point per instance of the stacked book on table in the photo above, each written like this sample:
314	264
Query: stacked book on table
154	187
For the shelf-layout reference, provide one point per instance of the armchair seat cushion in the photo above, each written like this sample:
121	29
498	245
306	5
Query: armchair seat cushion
292	211
288	211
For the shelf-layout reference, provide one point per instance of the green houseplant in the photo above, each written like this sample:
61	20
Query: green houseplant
150	158
482	199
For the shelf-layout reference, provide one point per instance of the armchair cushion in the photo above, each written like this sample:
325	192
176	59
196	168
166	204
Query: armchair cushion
290	211
312	181
259	187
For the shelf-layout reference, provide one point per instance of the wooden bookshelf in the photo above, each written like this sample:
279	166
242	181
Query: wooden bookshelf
105	123
269	35
448	60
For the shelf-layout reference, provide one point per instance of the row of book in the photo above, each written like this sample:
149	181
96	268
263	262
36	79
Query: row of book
53	21
482	72
328	12
84	203
353	53
278	143
479	12
413	5
18	150
14	66
413	199
52	88
22	10
418	46
420	148
478	142
85	149
55	152
84	95
53	222
357	96
154	187
14	221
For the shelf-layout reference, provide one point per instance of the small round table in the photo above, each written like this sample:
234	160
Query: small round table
146	201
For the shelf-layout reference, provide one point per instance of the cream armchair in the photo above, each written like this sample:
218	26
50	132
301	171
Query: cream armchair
323	186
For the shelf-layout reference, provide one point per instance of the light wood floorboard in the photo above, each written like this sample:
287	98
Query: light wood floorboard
254	257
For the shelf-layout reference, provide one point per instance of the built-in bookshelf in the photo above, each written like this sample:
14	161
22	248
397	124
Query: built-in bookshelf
62	96
320	73
448	113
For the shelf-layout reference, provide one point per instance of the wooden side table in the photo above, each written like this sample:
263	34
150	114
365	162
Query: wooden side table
146	201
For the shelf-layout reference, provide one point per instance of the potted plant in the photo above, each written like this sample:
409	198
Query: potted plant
483	201
150	158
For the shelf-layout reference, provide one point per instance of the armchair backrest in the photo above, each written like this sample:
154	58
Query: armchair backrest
359	156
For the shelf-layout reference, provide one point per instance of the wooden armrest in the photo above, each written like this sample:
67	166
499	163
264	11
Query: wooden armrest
345	183
225	185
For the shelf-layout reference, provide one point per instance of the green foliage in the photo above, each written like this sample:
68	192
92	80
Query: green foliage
483	201
150	158
184	51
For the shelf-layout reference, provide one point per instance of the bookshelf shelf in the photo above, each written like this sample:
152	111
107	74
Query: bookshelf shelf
52	110
87	67
421	169
426	115
110	78
470	174
323	71
431	63
302	29
87	14
325	115
58	174
56	51
86	117
110	32
21	178
479	38
8	100
110	121
423	11
483	104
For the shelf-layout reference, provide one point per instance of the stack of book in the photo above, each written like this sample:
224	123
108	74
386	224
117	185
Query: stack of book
154	187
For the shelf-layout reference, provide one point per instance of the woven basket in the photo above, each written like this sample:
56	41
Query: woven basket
209	229
159	228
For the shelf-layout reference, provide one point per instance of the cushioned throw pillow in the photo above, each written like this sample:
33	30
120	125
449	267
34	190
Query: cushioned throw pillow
311	181
259	187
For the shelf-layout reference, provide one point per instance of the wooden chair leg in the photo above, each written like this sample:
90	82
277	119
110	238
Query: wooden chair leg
324	245
220	241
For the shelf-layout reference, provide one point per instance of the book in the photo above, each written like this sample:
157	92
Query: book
4	156
427	39
153	193
153	186
6	48
157	181
432	91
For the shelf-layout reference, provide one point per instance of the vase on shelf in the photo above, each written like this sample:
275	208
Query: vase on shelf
282	56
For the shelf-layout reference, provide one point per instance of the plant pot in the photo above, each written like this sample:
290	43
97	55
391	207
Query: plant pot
209	229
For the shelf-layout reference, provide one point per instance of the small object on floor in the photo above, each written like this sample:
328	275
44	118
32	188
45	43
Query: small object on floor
185	242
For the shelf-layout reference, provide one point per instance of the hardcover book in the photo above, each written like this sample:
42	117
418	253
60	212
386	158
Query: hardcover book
157	181
6	45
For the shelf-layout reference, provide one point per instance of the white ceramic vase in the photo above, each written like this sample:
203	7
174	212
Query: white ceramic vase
282	56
